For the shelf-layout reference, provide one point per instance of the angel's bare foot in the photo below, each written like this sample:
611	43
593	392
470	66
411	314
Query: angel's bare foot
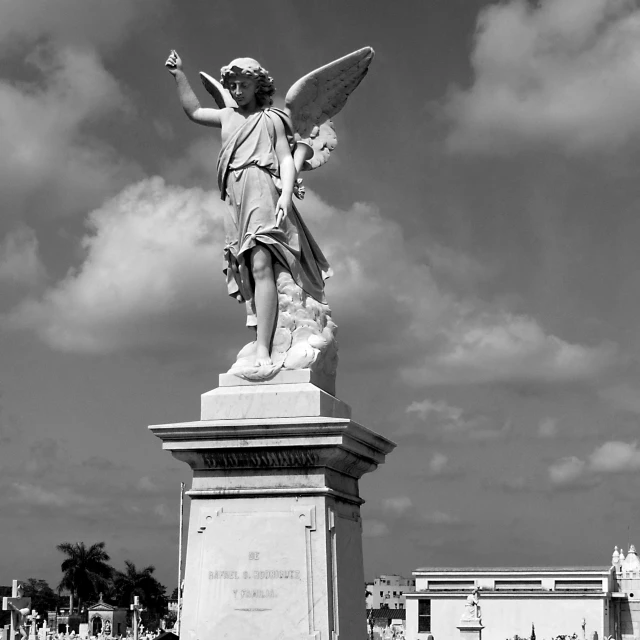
262	356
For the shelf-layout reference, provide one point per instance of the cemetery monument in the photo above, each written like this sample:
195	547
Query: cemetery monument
275	536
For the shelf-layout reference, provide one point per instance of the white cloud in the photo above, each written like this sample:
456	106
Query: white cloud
615	457
398	505
31	494
507	347
566	471
49	164
151	256
440	409
19	258
438	464
560	72
548	428
610	458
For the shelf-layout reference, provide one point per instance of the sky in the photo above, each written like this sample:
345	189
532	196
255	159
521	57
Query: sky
481	217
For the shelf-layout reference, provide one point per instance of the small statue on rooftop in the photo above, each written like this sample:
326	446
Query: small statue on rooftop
472	609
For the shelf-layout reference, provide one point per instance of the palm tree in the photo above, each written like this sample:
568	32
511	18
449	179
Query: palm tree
85	571
141	583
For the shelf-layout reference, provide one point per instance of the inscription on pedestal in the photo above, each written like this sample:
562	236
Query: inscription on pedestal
255	575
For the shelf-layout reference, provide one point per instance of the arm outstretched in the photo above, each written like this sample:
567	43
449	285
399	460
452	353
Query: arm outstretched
188	99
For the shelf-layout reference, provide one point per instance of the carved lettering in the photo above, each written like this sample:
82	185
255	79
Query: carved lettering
265	574
223	575
258	593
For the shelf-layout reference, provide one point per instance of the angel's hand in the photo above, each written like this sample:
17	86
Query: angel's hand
173	63
283	208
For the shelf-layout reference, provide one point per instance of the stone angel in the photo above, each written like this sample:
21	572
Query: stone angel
271	261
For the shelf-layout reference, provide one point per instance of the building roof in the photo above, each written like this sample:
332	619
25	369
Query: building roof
101	606
385	613
600	569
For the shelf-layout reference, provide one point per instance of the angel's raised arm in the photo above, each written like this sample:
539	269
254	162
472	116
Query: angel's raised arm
188	99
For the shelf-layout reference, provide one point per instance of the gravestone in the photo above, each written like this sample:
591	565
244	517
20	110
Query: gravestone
275	539
20	607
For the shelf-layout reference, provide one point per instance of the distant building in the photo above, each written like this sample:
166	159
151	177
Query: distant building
385	623
387	592
556	600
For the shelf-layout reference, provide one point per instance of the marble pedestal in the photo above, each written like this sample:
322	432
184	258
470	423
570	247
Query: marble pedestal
471	629
275	539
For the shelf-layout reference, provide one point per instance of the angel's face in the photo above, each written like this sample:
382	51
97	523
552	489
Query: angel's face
242	88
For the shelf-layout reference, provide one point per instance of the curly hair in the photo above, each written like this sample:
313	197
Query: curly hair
250	68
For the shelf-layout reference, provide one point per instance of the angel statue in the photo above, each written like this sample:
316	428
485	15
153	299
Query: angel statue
271	261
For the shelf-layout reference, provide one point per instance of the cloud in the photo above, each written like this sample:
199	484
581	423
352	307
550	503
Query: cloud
19	258
612	457
151	254
438	464
397	506
34	495
91	23
374	529
557	73
615	457
566	471
50	163
440	518
145	485
449	421
548	428
508	348
151	279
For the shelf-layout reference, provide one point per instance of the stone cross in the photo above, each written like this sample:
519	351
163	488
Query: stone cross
33	627
19	607
137	609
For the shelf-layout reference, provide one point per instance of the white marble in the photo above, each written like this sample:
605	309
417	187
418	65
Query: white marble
274	548
271	401
325	382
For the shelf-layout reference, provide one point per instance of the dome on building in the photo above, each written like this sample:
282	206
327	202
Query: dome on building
615	558
632	562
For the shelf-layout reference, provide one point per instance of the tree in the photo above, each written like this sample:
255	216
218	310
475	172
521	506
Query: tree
131	582
43	597
86	571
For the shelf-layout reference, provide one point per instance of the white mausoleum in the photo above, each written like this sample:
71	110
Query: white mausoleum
555	600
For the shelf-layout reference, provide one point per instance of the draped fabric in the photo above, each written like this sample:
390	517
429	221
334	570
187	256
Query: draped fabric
249	182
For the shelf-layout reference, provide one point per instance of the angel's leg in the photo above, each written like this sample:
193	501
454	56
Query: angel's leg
266	298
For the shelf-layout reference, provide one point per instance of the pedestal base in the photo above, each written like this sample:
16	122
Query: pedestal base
275	543
471	629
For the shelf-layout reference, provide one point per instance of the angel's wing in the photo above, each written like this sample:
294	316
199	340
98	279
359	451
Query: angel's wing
222	97
320	95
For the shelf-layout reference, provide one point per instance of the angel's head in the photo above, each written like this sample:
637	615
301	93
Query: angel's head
248	69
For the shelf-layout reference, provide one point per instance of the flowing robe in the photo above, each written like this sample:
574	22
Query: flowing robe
249	182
